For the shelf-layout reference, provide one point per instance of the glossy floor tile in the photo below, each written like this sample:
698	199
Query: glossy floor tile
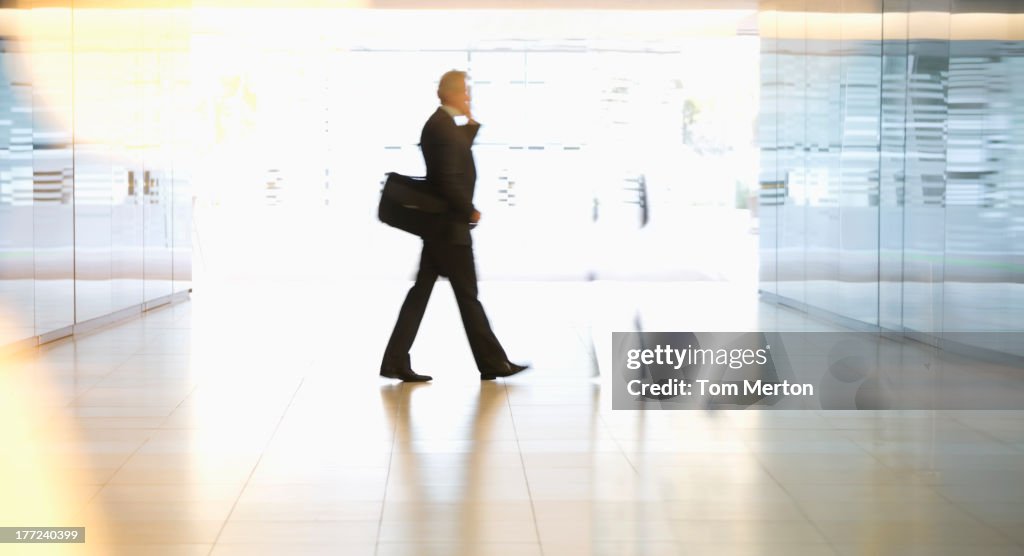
251	420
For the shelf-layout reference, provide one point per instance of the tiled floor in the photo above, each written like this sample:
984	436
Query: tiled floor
252	422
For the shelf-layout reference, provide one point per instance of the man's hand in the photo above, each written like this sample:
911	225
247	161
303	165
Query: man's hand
475	218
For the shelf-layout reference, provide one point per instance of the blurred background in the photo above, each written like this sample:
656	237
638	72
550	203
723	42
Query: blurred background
687	165
855	160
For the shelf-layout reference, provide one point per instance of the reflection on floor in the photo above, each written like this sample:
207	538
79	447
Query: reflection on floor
251	421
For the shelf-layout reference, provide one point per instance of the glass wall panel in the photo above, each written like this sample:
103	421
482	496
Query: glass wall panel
975	79
128	193
181	140
17	289
982	290
771	186
925	188
822	175
52	170
94	78
892	164
861	30
1010	113
793	62
156	116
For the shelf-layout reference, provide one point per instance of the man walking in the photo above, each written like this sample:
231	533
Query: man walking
447	151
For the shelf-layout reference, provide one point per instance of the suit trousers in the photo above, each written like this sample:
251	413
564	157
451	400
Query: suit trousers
457	264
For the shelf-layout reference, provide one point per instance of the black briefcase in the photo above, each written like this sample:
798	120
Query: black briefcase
410	204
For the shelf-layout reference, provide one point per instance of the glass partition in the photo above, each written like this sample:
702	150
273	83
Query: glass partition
909	183
86	179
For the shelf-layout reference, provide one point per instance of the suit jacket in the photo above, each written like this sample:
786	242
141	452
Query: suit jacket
448	154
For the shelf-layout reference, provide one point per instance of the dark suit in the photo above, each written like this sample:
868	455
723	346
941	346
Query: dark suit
447	151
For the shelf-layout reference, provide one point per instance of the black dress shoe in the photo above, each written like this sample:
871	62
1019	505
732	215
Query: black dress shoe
405	375
509	370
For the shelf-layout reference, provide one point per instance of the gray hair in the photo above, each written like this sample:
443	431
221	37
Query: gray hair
450	82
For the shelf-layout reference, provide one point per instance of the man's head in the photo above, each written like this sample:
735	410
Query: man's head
453	91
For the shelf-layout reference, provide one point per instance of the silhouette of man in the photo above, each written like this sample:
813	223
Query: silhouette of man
447	151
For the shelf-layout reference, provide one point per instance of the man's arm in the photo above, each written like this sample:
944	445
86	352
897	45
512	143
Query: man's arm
470	130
